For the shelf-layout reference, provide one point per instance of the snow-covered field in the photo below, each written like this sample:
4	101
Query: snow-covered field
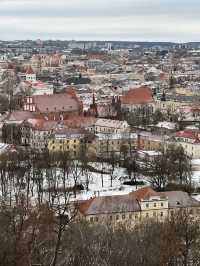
100	179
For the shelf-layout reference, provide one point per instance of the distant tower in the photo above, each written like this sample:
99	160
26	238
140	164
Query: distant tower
30	74
39	43
163	97
93	107
119	108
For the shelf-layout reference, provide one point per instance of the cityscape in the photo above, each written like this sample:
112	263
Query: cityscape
99	134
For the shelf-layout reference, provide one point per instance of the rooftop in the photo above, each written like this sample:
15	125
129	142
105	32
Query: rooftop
141	95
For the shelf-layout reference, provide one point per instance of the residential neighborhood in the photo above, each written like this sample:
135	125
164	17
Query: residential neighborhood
101	133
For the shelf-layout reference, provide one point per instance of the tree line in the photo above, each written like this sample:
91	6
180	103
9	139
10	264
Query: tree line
38	237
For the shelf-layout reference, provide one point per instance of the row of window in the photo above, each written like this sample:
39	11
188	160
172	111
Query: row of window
62	141
109	130
155	205
108	142
131	216
155	214
116	217
62	147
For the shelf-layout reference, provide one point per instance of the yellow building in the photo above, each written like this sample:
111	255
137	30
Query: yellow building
136	207
76	142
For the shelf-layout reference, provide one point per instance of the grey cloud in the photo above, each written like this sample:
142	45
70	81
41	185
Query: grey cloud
174	8
178	19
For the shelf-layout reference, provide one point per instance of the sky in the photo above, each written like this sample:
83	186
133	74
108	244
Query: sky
128	20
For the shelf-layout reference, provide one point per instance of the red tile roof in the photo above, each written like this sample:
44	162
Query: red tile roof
62	102
142	95
19	116
79	122
195	109
109	204
143	193
188	134
41	124
84	206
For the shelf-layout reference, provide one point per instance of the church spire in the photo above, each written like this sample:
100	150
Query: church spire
93	100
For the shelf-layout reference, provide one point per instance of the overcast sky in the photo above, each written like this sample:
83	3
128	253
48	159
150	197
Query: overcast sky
134	20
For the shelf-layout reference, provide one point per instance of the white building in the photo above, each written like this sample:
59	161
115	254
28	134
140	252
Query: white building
108	126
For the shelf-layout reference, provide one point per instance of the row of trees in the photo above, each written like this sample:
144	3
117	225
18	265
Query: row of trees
34	177
171	165
40	177
38	237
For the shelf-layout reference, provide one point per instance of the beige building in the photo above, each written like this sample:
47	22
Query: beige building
190	141
169	105
117	144
136	206
108	126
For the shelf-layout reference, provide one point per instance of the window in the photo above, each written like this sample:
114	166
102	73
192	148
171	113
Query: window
111	218
162	204
161	214
154	205
130	216
123	216
96	219
117	217
91	219
147	215
147	205
136	216
154	214
75	141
